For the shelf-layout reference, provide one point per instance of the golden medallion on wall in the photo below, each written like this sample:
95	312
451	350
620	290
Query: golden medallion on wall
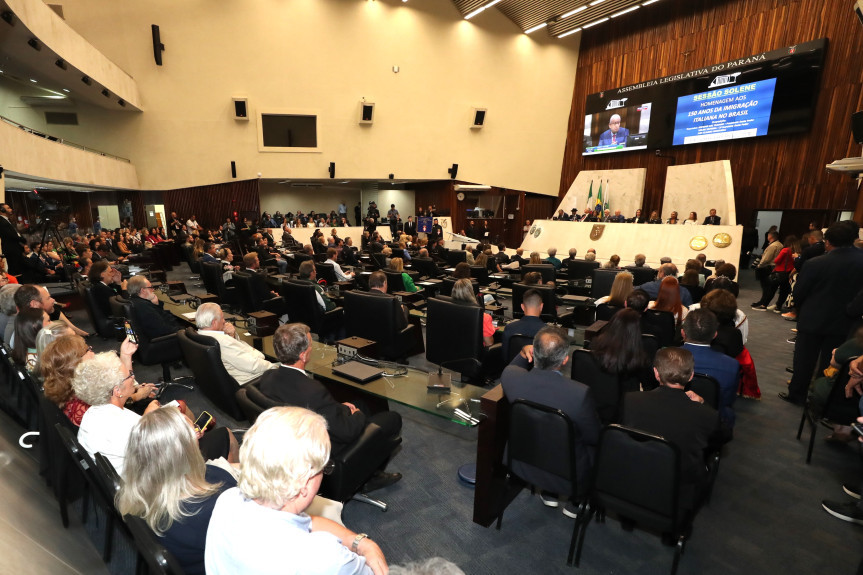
596	231
722	240
536	232
531	230
698	243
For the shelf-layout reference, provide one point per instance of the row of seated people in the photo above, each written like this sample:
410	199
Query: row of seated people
605	215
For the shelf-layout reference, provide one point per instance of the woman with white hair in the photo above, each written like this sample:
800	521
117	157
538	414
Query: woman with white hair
172	488
261	527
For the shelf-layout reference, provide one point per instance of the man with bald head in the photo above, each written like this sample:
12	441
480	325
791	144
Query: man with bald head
614	135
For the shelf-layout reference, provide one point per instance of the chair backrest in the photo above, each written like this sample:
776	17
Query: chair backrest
107	475
661	324
203	356
480	274
215	284
838	408
374	317
425	268
705	386
245	293
394	281
453	334
605	387
327	272
695	292
580	269
542	437
379	260
159	560
638	476
516	342
120	306
547	271
650	343
601	282
104	325
455	257
641	275
252	402
549	304
84	463
605	311
302	304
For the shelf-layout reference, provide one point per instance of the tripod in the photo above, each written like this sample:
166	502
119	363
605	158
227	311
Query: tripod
47	227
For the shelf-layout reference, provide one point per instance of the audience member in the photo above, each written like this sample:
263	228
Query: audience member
242	362
462	292
765	269
552	258
397	265
58	363
669	299
152	320
529	324
652	287
620	290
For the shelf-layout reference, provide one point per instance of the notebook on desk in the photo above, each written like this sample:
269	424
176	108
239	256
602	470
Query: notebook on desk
359	372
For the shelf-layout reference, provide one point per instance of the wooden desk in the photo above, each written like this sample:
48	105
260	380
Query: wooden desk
490	474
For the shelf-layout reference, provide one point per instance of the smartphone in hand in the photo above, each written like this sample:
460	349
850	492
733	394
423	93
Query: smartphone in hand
130	333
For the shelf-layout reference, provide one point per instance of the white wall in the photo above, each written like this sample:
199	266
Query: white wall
325	55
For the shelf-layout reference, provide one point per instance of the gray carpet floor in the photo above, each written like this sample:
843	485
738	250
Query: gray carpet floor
765	515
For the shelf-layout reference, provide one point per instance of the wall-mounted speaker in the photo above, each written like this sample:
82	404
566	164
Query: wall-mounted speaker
233	169
158	47
332	169
367	112
478	118
453	171
858	9
857	126
241	108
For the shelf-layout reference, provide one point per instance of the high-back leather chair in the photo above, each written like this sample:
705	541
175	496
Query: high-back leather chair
546	270
605	311
204	358
661	324
302	306
394	281
480	274
601	282
454	335
607	388
375	317
641	275
326	272
448	283
103	325
425	268
353	466
249	290
549	305
580	269
159	350
211	273
455	257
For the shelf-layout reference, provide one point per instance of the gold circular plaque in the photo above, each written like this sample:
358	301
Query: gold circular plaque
698	243
537	232
722	240
532	229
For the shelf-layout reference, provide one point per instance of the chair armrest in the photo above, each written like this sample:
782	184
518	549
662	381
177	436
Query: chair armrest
163	338
335	312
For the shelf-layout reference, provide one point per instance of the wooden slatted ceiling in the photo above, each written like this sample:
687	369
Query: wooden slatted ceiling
769	173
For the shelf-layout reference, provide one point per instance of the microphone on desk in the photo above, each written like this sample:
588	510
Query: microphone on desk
441	382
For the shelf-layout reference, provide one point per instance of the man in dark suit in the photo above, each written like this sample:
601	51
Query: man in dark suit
13	242
425	265
614	135
545	384
105	282
529	324
824	288
436	232
677	415
410	227
378	287
652	288
210	253
699	330
153	320
813	250
291	385
712	219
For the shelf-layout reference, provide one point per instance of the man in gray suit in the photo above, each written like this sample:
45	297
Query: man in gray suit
544	384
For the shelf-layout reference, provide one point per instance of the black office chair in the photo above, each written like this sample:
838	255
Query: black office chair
661	324
379	261
637	476
159	560
326	272
103	325
249	289
480	274
641	275
705	386
54	460
837	409
454	337
394	281
601	282
158	350
455	257
374	317
86	467
302	306
204	358
353	466
549	302
607	388
516	343
212	274
541	451
580	270
695	292
426	268
605	311
547	271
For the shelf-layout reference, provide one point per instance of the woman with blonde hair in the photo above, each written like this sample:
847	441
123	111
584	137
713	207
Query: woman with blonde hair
620	290
171	488
535	260
462	292
397	265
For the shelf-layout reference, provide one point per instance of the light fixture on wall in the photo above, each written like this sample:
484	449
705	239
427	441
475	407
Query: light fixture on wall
332	170
453	171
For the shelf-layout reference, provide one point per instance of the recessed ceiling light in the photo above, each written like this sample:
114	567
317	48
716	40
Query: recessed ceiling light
622	12
66	90
571	12
595	22
535	28
595	2
570	33
34	81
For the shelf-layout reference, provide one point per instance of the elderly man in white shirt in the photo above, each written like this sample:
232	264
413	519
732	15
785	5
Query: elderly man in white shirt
242	362
342	276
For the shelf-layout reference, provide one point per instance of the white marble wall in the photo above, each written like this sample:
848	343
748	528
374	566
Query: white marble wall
700	188
623	189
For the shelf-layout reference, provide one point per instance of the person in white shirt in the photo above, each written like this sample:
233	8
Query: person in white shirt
342	276
192	224
242	362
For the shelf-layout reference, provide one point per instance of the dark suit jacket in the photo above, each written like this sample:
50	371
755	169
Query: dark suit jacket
289	386
152	320
13	245
670	413
605	137
527	325
712	220
573	398
102	293
411	228
725	370
824	288
807	254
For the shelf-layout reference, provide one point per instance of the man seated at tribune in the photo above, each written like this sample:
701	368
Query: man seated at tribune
291	385
242	362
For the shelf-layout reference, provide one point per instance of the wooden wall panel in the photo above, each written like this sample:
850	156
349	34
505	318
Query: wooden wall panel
212	204
769	173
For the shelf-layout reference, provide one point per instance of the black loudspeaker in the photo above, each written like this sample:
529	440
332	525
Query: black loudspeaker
453	171
857	126
332	169
367	113
158	47
241	109
478	118
233	169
